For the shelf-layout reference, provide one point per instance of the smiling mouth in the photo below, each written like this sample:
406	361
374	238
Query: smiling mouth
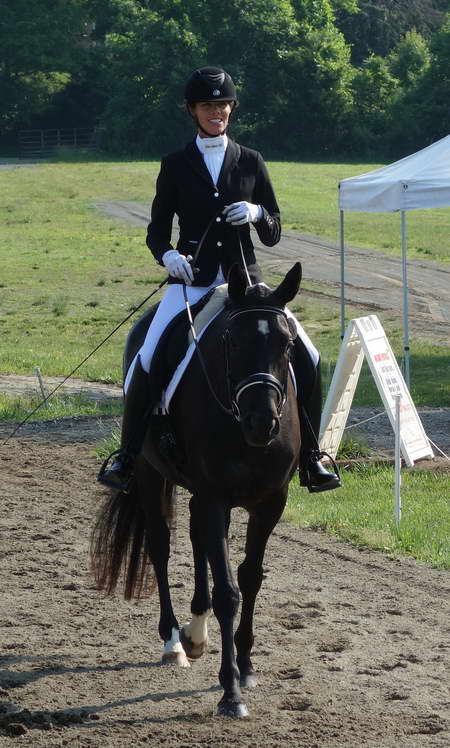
216	121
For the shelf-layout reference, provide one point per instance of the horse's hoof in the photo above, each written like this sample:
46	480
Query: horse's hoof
249	681
232	709
193	651
175	658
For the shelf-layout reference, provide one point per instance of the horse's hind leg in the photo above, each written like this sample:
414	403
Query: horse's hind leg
158	548
250	575
194	635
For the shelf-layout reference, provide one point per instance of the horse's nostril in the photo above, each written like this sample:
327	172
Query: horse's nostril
261	428
275	427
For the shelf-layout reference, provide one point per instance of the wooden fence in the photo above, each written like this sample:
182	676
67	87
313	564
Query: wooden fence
44	143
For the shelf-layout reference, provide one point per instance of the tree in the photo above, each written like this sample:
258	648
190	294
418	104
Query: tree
420	114
409	59
39	40
281	63
374	88
380	24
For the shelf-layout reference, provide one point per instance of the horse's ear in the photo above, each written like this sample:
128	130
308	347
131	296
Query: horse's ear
288	287
237	283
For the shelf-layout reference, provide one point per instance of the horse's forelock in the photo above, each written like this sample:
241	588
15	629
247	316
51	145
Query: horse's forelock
258	291
256	295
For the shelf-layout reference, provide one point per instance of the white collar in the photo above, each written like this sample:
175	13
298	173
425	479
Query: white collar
212	145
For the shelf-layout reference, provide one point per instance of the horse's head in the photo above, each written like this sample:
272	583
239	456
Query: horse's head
258	343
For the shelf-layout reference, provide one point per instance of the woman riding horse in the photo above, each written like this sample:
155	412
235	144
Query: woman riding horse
216	183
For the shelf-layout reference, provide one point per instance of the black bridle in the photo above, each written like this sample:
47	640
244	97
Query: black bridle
258	378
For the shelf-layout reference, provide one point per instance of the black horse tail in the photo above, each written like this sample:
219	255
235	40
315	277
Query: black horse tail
124	533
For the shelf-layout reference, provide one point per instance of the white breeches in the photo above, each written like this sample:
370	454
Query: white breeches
171	304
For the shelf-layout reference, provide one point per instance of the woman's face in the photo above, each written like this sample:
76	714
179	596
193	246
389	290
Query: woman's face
212	116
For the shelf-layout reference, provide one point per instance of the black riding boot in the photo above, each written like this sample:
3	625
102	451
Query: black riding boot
309	398
137	407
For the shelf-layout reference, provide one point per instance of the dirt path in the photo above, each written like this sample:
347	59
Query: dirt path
376	433
373	280
352	648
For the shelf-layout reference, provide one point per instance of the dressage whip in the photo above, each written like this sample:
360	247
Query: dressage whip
163	283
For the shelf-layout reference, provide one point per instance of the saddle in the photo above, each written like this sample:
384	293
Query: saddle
170	358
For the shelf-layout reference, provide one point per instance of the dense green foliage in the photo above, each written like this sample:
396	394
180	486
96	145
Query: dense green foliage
314	76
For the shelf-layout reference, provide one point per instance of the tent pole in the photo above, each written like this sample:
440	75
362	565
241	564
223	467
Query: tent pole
405	300
342	274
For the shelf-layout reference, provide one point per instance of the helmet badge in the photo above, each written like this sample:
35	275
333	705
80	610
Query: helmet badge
216	92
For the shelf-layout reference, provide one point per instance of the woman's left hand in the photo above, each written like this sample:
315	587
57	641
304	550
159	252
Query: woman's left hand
239	213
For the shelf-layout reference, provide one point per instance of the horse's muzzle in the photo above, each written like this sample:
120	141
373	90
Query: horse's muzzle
260	429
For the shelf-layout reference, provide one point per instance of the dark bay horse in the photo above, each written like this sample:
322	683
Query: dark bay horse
240	437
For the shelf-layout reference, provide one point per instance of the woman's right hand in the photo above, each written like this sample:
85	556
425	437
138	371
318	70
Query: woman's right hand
178	266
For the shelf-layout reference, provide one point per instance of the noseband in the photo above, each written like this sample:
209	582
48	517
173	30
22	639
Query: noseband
259	378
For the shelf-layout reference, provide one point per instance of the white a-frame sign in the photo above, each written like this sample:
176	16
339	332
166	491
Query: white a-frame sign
365	337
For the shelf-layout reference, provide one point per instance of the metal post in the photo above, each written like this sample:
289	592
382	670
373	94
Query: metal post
398	464
405	301
37	371
341	231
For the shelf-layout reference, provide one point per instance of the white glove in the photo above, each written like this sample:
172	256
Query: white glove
239	213
178	266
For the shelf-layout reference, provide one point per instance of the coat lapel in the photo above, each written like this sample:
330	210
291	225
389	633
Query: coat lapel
231	157
195	159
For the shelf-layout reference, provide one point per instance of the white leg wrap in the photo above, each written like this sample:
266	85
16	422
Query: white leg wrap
197	629
174	653
173	644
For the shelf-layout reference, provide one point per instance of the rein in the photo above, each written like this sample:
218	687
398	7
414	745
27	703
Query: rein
163	283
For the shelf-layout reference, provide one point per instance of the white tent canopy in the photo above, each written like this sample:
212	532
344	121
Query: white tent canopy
419	181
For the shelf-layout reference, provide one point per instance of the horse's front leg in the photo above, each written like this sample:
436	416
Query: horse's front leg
225	600
158	549
250	575
194	635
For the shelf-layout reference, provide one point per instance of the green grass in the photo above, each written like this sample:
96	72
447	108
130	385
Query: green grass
308	197
70	274
362	512
109	445
58	406
352	448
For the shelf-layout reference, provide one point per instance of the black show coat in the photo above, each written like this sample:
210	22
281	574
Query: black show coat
185	187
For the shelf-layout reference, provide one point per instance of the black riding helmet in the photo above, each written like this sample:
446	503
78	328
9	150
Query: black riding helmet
210	84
